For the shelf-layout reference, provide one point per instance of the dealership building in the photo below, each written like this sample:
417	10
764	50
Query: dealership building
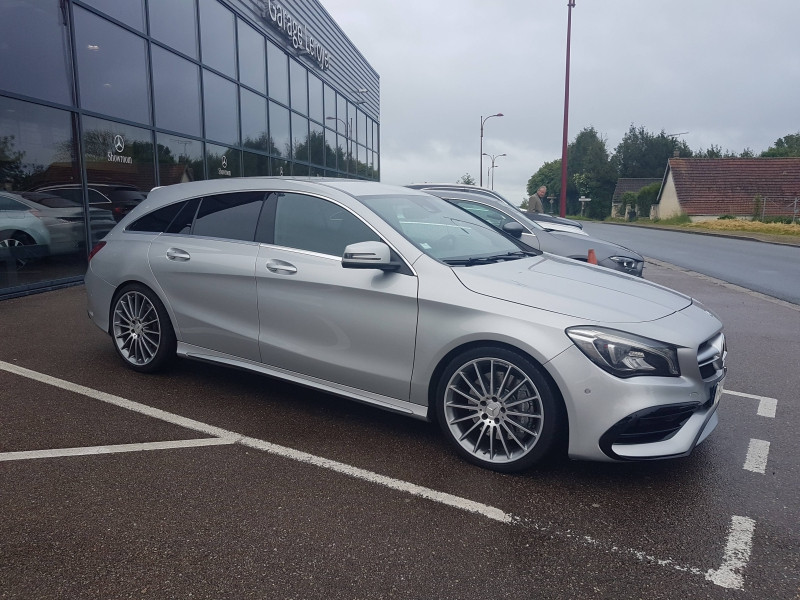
103	100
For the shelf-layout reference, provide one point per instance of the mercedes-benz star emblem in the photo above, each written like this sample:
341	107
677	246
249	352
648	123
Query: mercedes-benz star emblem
224	162
119	143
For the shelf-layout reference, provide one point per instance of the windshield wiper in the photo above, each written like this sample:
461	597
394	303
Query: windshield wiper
485	260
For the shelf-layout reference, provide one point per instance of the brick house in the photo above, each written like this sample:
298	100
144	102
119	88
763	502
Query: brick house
707	188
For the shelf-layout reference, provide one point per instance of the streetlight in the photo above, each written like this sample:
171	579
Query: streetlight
482	122
348	128
491	169
563	208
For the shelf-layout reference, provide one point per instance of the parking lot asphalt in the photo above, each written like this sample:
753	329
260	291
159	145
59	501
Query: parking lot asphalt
205	482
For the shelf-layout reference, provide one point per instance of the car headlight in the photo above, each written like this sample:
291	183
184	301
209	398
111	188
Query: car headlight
627	263
624	354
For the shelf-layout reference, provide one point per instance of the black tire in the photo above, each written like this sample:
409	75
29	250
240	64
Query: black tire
498	410
13	239
141	329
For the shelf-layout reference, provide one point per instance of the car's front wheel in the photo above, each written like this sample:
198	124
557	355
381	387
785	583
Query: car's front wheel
497	409
142	332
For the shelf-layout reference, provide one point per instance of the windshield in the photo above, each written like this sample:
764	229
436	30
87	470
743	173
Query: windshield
442	230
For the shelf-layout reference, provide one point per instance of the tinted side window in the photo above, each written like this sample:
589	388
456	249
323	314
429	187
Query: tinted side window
9	204
316	225
229	216
183	222
158	220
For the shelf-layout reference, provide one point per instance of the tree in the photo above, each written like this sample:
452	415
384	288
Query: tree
549	175
587	158
646	197
643	154
466	179
786	146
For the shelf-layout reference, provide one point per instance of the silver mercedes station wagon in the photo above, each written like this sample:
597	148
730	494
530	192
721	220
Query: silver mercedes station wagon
398	299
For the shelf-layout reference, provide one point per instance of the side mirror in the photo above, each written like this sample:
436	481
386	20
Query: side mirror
369	255
513	228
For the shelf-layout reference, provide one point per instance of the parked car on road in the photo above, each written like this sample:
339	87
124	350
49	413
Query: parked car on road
118	198
65	221
547	221
23	235
511	220
401	300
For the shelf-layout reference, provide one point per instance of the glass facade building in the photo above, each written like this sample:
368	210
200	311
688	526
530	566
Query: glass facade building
102	100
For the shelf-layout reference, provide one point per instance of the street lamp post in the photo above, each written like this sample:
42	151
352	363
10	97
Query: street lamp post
480	170
563	208
491	169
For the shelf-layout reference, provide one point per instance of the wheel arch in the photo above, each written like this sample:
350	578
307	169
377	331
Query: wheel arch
155	289
473	344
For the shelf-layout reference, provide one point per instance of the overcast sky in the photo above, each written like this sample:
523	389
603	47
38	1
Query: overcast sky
725	71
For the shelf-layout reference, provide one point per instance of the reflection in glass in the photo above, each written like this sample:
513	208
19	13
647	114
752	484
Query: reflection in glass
279	130
299	137
330	149
254	164
316	145
280	167
179	159
217	37
35	42
315	100
278	73
361	128
42	236
174	22
330	103
254	121
299	83
223	162
252	58
112	68
119	164
130	12
221	108
176	91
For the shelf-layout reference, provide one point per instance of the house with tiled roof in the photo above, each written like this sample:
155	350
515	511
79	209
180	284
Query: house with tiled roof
707	188
628	184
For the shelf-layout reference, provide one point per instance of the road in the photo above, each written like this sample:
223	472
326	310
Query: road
210	483
771	269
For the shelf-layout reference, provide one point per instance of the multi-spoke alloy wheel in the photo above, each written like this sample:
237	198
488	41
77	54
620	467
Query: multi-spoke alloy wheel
497	409
15	240
142	333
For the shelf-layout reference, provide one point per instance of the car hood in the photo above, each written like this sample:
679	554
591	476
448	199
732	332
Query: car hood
571	244
573	288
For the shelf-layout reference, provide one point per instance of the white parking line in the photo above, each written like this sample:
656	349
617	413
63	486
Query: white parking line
92	450
757	454
766	406
737	552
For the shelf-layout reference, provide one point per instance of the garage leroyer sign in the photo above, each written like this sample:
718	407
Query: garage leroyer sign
274	13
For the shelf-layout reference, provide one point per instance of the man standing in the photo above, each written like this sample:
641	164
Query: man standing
535	202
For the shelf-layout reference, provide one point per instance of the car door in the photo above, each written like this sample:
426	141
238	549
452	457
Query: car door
205	263
349	327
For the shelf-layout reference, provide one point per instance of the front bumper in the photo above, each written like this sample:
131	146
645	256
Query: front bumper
612	419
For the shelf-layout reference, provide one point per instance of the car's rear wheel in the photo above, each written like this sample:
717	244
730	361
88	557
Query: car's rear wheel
497	409
142	332
16	239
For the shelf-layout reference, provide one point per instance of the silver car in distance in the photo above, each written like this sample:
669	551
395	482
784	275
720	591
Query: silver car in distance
398	299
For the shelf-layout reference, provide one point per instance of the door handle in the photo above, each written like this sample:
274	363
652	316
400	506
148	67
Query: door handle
279	266
178	254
